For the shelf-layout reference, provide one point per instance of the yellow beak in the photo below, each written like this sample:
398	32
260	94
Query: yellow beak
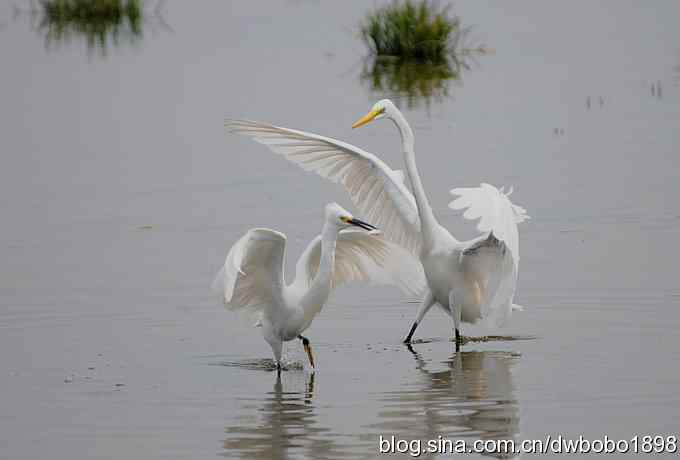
369	117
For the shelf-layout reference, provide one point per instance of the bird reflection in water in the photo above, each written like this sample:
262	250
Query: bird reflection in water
285	425
473	397
469	396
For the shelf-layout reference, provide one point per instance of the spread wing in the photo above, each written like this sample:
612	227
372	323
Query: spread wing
361	256
252	276
493	259
378	191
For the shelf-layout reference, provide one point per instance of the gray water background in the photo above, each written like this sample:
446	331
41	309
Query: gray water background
120	193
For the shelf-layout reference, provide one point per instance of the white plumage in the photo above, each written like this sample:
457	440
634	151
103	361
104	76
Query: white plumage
252	274
378	191
471	280
360	256
495	212
252	279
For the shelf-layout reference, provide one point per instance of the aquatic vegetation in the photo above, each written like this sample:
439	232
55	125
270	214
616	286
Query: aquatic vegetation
420	32
416	50
98	21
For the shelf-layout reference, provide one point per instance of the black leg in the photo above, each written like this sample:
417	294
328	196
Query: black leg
456	315
308	349
278	369
410	333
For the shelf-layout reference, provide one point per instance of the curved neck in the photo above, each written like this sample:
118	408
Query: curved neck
321	286
428	221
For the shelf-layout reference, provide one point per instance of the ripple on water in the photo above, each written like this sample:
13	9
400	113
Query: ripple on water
478	339
261	364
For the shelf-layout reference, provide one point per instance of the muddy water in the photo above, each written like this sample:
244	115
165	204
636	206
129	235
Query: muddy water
120	194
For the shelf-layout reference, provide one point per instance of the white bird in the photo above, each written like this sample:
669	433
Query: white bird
252	278
470	280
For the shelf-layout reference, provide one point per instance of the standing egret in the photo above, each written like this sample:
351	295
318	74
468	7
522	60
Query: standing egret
252	278
470	280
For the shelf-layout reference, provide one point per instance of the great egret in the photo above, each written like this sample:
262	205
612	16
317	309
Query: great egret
470	280
252	278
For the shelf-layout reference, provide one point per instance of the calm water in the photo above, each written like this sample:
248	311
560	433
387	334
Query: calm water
120	194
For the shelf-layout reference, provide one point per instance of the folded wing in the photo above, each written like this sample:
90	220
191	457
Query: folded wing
378	191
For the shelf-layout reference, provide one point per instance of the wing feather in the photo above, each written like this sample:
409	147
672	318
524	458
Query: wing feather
252	277
361	256
493	259
496	213
352	167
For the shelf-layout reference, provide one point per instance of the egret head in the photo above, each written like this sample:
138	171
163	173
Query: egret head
384	108
339	216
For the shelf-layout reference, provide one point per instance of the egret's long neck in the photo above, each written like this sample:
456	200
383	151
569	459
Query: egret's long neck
321	286
428	221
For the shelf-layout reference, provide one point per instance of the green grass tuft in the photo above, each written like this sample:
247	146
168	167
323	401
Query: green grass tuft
417	49
417	31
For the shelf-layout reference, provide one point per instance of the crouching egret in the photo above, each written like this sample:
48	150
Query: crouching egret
252	278
470	280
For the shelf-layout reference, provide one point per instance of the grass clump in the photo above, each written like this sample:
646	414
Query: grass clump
417	48
417	31
97	20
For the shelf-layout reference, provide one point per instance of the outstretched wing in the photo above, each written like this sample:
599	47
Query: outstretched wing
378	191
492	261
361	256
252	276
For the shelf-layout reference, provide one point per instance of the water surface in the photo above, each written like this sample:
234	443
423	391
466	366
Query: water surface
121	193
